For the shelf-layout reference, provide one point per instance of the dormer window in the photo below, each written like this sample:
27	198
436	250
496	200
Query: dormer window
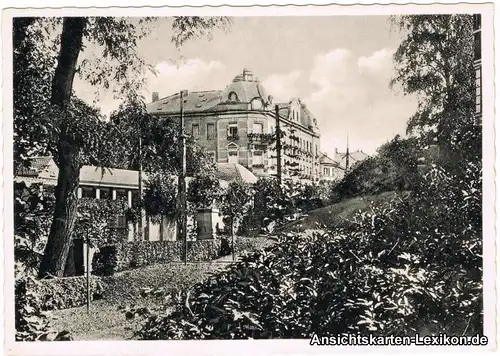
256	104
233	96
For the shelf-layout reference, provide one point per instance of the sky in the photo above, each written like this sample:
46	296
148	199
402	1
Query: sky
340	67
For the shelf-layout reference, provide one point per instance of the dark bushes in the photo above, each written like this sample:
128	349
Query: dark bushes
105	261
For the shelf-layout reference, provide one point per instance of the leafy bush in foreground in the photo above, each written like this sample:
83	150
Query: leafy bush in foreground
32	323
412	265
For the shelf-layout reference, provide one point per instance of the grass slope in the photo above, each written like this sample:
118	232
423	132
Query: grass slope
339	213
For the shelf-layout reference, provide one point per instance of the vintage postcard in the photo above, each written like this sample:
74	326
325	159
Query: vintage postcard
251	180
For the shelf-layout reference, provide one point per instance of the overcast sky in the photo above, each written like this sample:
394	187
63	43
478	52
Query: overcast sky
339	66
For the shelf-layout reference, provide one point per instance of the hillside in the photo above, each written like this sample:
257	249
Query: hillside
339	213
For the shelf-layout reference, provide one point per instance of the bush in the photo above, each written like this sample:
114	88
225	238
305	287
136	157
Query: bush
105	261
411	266
394	168
68	292
32	324
135	254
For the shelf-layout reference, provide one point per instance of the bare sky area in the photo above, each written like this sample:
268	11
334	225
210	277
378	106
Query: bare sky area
340	67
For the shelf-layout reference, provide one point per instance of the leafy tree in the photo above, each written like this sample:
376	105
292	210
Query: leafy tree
393	168
235	202
435	62
33	207
160	196
204	191
154	142
73	131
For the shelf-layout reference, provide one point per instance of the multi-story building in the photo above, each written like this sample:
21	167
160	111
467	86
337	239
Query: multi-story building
238	124
477	62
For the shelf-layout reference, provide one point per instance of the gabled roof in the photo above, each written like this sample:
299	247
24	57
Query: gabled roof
325	160
306	117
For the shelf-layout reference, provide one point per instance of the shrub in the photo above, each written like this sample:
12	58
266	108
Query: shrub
32	324
68	292
413	265
105	261
394	168
33	207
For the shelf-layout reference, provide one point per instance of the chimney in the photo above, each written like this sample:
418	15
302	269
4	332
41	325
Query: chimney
156	96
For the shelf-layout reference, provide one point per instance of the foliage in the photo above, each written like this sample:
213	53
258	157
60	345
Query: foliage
96	220
105	261
33	208
160	196
46	58
394	168
396	270
204	191
235	201
275	205
32	323
67	292
435	61
135	254
159	149
187	28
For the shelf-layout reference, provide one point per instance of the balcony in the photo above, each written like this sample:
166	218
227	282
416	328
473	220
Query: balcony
260	138
233	138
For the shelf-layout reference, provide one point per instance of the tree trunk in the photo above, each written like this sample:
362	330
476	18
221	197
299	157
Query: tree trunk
68	156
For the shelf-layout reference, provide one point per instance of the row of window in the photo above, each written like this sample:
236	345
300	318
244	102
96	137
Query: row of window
232	130
478	91
107	194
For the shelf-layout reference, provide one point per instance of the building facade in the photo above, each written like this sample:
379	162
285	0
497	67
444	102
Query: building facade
477	63
238	125
331	170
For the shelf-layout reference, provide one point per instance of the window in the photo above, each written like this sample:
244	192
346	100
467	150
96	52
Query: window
195	130
257	127
88	192
135	198
478	90
121	194
258	158
210	131
233	130
105	193
119	222
233	96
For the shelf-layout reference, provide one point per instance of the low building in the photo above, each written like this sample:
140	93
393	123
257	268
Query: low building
331	170
123	184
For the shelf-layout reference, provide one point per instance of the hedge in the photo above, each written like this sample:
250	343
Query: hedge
67	292
135	254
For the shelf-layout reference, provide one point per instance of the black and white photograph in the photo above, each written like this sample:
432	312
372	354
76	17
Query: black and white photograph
322	176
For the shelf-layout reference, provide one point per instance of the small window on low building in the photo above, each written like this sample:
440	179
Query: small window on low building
135	198
105	194
122	194
88	192
195	130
